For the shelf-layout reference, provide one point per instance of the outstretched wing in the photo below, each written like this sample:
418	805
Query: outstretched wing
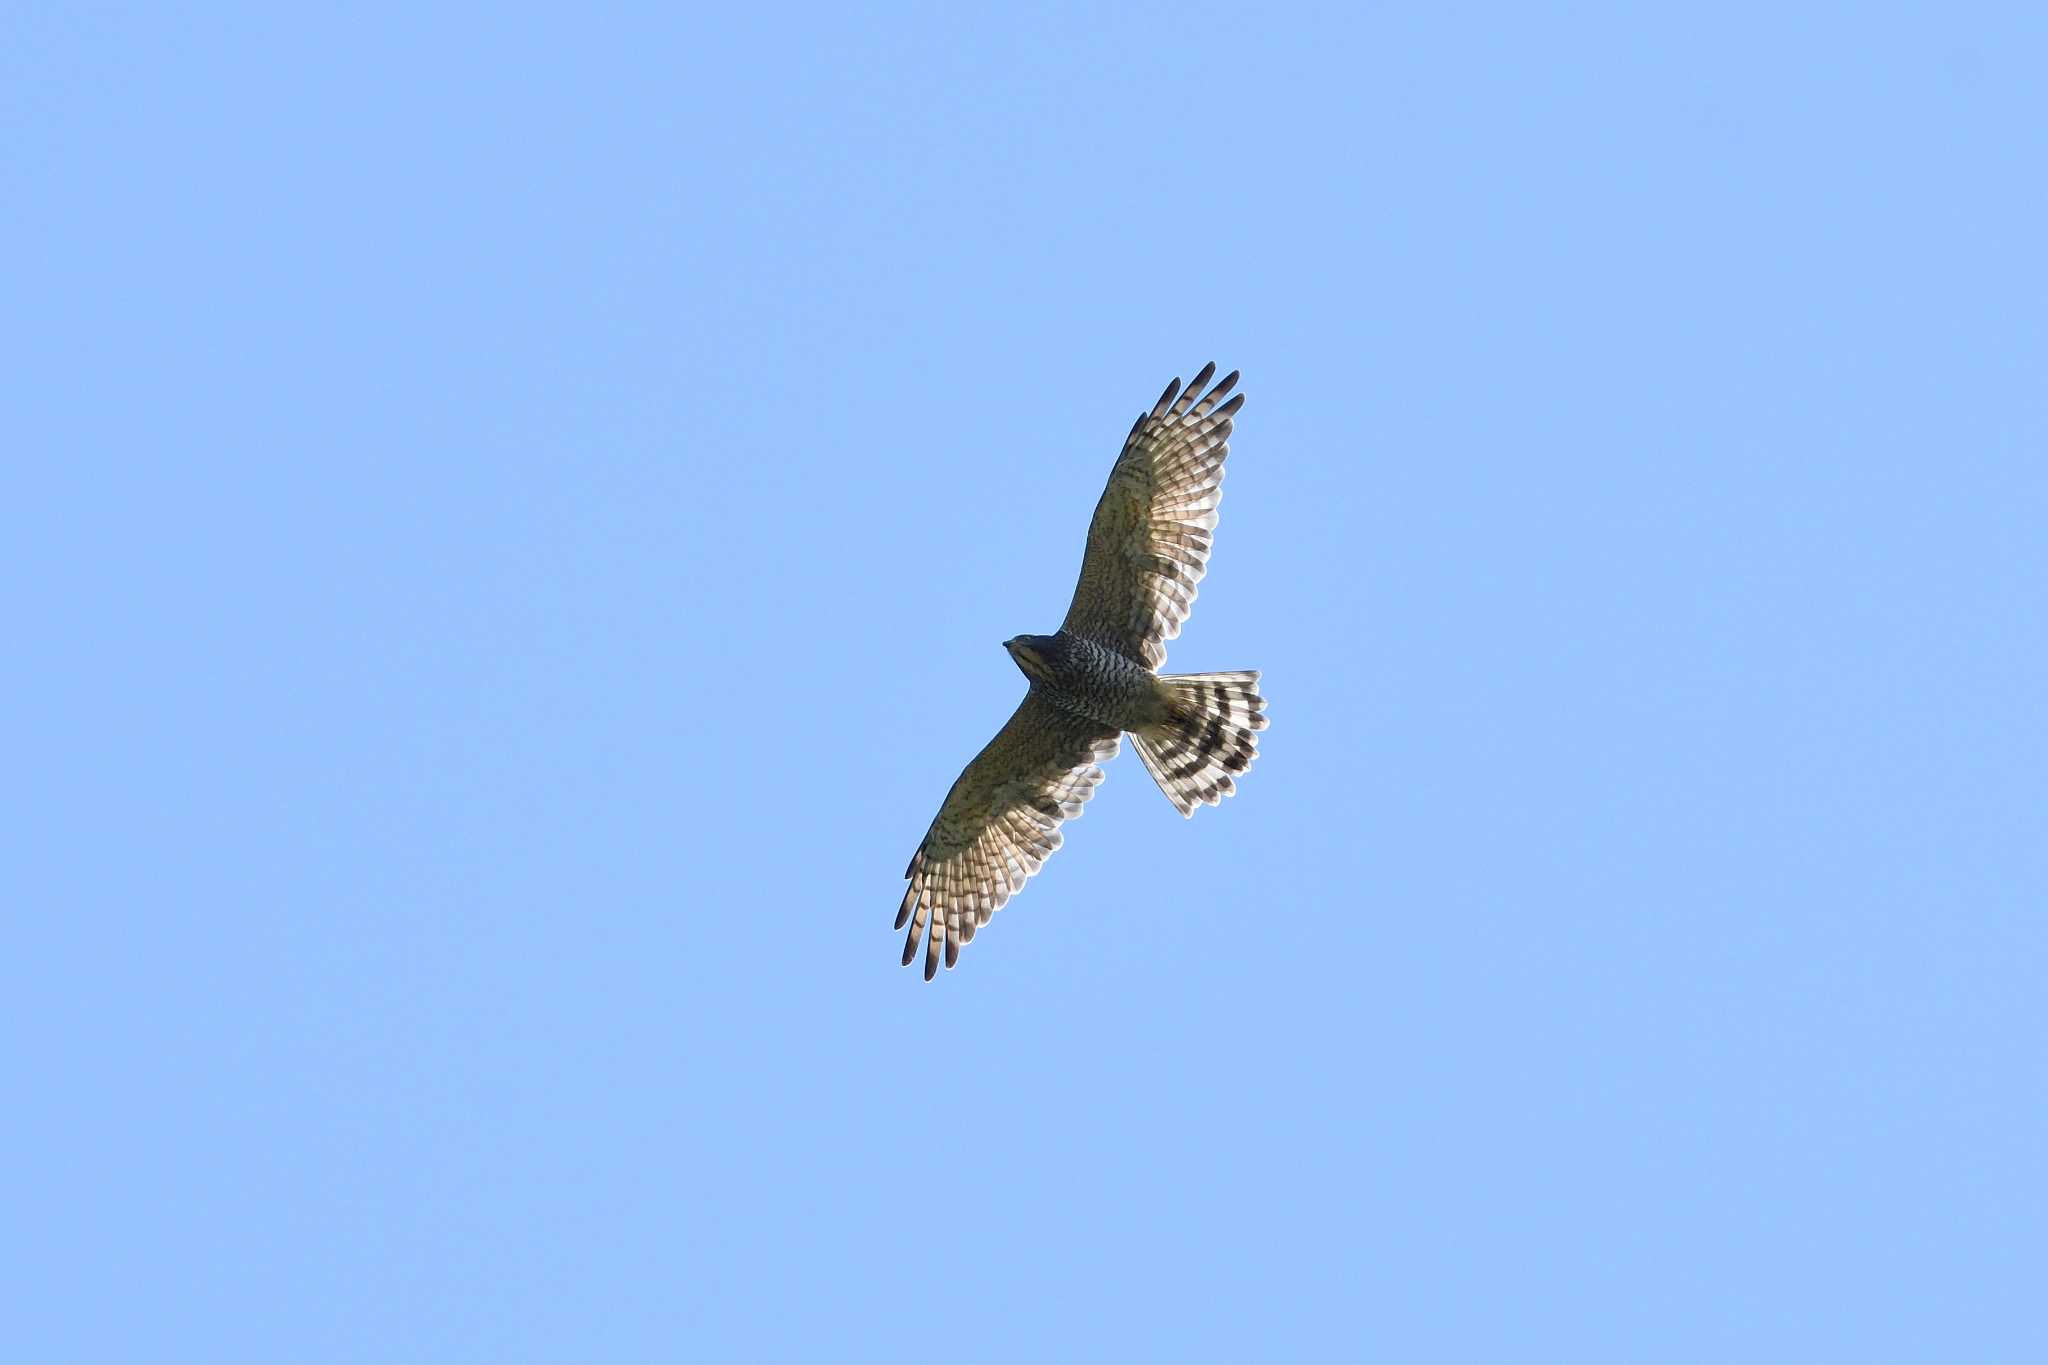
999	824
1149	543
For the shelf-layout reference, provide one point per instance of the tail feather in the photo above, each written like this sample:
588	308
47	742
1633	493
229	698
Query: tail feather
1208	738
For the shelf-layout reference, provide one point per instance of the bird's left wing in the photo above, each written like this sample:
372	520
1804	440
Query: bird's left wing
999	824
1148	544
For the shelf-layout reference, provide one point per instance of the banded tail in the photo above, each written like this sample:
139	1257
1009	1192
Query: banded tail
1207	739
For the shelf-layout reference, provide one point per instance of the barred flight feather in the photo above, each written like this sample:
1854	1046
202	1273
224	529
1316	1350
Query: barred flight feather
1148	545
998	825
1208	740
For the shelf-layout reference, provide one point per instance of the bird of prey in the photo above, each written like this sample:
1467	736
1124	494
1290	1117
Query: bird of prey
1096	679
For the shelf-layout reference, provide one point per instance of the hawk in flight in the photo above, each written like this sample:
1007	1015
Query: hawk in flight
1097	678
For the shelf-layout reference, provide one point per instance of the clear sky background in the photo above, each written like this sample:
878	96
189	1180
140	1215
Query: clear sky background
511	517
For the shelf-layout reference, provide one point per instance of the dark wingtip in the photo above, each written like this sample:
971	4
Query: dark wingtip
1203	377
931	965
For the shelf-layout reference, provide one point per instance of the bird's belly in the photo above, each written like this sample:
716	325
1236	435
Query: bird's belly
1115	693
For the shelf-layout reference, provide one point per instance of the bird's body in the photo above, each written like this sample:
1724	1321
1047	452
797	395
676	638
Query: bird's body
1096	679
1089	681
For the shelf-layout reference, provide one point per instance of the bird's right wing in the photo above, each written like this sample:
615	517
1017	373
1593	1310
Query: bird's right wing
999	824
1148	545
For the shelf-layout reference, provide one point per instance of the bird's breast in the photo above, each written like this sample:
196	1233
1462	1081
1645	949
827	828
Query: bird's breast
1106	687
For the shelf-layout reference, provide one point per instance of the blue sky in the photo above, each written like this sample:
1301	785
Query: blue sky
511	520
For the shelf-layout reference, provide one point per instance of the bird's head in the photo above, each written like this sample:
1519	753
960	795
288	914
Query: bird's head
1029	654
